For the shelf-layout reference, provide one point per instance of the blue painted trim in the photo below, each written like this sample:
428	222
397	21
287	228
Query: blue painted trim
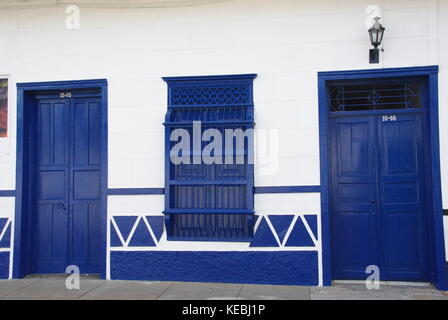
324	149
60	85
19	254
7	193
288	189
25	92
431	73
441	279
379	112
249	76
104	174
134	191
257	190
377	73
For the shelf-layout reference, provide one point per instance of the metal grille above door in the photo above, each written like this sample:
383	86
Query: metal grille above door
375	95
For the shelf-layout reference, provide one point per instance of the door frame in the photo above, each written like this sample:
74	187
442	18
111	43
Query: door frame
25	93
436	247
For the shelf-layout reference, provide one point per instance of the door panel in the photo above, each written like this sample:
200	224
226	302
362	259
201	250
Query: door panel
354	196
355	253
86	188
52	221
67	219
401	172
86	237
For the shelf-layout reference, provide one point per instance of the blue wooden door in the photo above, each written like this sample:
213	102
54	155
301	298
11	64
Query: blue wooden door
354	193
402	198
51	220
66	224
378	197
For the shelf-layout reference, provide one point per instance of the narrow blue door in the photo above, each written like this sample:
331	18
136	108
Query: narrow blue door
378	197
402	199
354	193
66	224
85	185
51	220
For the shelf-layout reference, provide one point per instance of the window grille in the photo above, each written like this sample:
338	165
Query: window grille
209	202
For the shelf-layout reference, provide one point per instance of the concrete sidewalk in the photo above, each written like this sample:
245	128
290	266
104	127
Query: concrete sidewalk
54	288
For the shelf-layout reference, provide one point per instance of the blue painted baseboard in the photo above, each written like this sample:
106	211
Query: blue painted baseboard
262	267
4	265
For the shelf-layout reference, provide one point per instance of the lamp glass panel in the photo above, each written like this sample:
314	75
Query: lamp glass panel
375	37
371	35
380	35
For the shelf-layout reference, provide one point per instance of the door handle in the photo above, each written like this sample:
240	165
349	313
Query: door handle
62	204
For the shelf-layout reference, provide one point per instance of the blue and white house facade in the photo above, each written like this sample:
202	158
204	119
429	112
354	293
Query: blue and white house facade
238	141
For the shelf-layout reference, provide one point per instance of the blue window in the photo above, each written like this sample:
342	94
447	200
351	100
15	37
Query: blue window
209	200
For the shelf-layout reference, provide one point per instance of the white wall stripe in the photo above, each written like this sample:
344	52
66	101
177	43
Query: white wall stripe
291	226
2	233
131	234
150	230
118	232
308	229
257	224
11	253
319	252
109	221
273	230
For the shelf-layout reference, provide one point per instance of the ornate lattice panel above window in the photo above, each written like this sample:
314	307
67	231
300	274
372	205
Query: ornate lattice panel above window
216	94
376	95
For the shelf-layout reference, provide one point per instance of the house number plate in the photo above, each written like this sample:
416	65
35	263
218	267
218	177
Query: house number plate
389	118
65	95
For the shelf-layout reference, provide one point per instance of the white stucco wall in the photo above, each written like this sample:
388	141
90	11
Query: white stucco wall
286	42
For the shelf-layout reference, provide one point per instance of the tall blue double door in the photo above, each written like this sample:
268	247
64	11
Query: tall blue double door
378	197
65	213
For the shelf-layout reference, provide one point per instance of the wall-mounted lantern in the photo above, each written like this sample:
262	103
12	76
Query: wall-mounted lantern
376	33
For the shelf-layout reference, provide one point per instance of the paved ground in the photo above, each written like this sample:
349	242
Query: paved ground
54	288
